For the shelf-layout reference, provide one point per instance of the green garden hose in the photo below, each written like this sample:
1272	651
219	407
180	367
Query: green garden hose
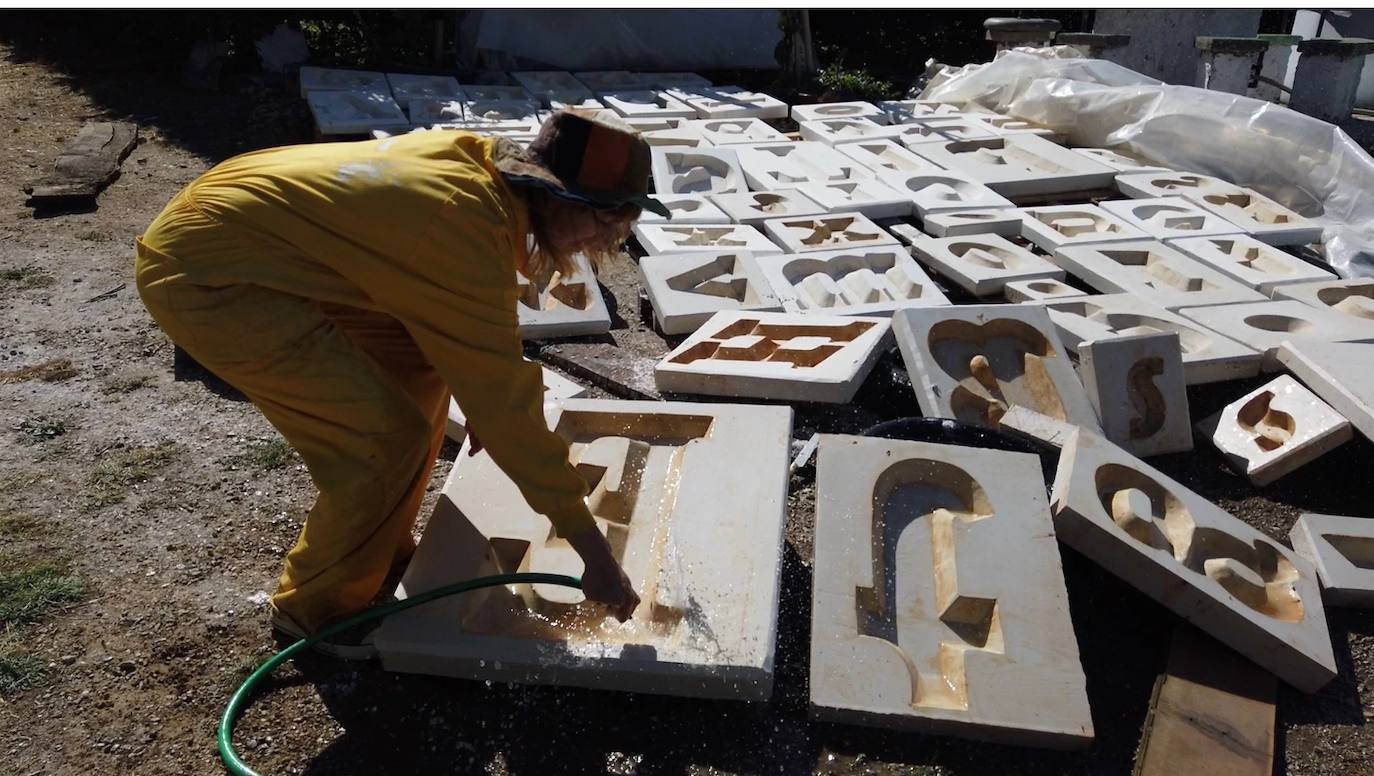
237	703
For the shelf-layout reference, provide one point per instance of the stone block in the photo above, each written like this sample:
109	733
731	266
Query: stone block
328	79
938	602
774	166
707	571
687	289
1149	185
647	103
696	171
1136	385
1342	549
355	112
1154	272
953	223
753	208
1019	164
942	191
1121	161
497	93
1056	226
562	306
848	231
1246	260
1265	326
1208	357
407	87
687	209
780	356
872	197
973	362
731	102
868	281
1227	578
826	111
1261	217
1353	297
610	80
725	132
840	131
1035	290
907	111
980	264
556	388
1274	430
1168	217
886	156
665	238
1339	373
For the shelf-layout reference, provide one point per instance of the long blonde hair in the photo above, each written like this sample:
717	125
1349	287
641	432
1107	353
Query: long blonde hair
545	255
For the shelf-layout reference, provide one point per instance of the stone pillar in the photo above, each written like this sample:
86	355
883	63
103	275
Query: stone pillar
1010	33
1228	62
1328	74
1094	45
1274	66
1163	39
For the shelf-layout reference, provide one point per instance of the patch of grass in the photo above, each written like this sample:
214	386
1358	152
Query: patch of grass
119	471
40	428
18	527
128	383
26	277
28	596
95	236
858	84
19	672
53	371
266	456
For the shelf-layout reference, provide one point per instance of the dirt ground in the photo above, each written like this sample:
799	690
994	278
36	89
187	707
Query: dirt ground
161	489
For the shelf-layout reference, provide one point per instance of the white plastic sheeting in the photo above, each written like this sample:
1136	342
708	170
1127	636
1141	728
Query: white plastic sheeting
1309	165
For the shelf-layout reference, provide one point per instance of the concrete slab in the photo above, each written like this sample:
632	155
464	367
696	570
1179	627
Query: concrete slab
646	103
871	281
686	209
886	156
1217	572
773	166
780	356
406	87
1265	326
1121	161
355	112
1055	226
1251	262
556	388
723	132
942	129
872	198
826	111
839	131
669	132
1164	218
1339	373
562	307
1148	185
425	112
980	264
708	572
1342	549
1019	165
753	208
687	289
973	362
1208	357
555	101
1261	217
664	238
329	79
1035	290
847	231
1137	387
503	114
954	223
938	602
1010	125
1353	297
732	102
943	191
906	111
1154	272
1274	430
696	171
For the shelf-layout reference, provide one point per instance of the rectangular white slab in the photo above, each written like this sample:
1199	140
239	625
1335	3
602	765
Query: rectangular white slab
406	87
940	191
1208	357
427	112
1137	387
668	132
556	388
781	356
1265	326
755	207
1340	373
906	111
973	362
774	166
1353	297
1342	549
870	281
952	223
580	101
707	571
496	93
1275	429
1247	260
355	112
648	103
826	233
1147	185
1010	125
886	156
503	114
543	83
686	289
664	237
328	79
1020	164
1035	290
980	264
686	209
610	80
677	80
942	129
826	111
1164	218
938	602
1055	226
873	198
723	132
1261	217
1245	589
839	131
1154	272
562	307
696	171
1121	161
732	102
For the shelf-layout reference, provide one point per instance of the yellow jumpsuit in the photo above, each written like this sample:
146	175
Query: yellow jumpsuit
346	288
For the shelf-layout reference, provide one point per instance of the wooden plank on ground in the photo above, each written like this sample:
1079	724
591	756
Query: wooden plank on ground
1212	712
88	163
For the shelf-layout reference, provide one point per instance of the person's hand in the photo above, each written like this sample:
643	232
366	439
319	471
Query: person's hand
603	580
474	444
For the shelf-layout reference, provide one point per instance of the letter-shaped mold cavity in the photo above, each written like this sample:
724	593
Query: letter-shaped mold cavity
997	364
851	279
697	173
718	278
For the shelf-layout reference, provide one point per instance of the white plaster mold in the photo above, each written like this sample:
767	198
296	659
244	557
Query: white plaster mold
1055	226
1340	373
1258	265
647	103
556	388
1137	387
1342	549
355	112
1168	217
955	223
886	156
661	238
980	264
1154	272
873	281
825	233
772	166
1265	326
943	190
1261	217
562	306
1353	297
687	289
871	197
1019	164
1036	290
696	171
1274	430
1147	185
724	132
327	79
827	111
755	207
686	209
